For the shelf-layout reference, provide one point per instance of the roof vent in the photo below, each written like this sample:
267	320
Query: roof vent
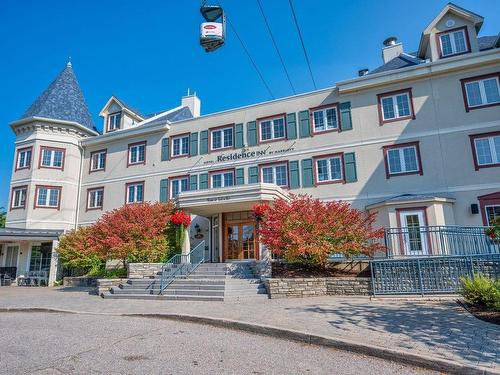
362	72
391	41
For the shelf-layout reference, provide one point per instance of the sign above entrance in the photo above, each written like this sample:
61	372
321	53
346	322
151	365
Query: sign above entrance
245	154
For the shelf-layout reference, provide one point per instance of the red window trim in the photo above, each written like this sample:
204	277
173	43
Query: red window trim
40	166
326	156
210	130
472	138
19	150
464	81
219	171
35	203
105	151
426	223
88	199
135	183
170	179
323	107
128	153
283	162
401	145
278	115
440	47
171	141
380	96
491	199
22	187
108	130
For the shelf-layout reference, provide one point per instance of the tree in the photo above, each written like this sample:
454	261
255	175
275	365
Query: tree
3	217
308	230
133	233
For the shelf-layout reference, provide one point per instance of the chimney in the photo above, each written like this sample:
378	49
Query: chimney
391	49
362	72
193	103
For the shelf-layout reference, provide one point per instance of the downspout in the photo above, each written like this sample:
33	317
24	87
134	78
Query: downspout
78	193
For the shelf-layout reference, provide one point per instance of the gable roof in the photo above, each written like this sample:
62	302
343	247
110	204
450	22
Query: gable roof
62	100
401	61
173	115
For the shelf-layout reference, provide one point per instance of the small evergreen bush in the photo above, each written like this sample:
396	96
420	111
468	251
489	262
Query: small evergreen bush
481	291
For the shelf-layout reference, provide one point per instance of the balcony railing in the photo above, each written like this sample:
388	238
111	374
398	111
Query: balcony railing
439	241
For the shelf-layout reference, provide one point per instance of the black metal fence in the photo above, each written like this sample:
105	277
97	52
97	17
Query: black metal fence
430	275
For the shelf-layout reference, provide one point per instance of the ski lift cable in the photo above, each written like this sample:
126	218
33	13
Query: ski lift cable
233	28
276	46
302	42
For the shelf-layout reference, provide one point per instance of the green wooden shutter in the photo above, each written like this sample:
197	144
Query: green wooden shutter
193	144
203	181
291	126
238	136
350	167
165	153
164	190
345	116
204	142
294	175
240	176
304	127
253	175
193	182
252	133
307	173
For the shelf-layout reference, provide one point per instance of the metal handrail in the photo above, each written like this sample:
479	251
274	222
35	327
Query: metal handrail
181	265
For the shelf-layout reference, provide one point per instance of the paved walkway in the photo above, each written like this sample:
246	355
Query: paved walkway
438	329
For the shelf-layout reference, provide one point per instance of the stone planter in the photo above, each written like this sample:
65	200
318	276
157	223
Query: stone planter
80	282
142	270
103	285
321	286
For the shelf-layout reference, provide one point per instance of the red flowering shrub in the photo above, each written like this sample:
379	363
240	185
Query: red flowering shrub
180	218
309	230
259	210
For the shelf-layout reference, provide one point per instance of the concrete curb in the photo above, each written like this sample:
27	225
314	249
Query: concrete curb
394	355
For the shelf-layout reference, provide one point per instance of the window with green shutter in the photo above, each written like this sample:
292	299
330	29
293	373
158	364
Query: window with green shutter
291	126
240	176
253	175
238	136
164	190
345	116
193	147
193	182
294	174
252	133
304	127
350	167
204	142
307	173
165	150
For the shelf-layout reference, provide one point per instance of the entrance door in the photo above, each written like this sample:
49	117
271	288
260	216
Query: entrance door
11	256
414	235
240	241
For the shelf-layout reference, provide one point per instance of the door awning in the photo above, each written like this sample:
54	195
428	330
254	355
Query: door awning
21	234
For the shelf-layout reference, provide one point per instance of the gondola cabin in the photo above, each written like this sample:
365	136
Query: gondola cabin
212	32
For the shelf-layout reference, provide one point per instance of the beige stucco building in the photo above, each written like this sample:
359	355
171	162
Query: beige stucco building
416	140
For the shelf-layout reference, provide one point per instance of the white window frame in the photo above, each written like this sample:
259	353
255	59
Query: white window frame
17	199
98	156
324	110
27	160
177	180
273	136
181	139
395	106
493	151
486	211
330	173
112	123
453	43
52	157
223	183
136	146
47	204
135	199
92	202
482	92
402	161
223	139
274	166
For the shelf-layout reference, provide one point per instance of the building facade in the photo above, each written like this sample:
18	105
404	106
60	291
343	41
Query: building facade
416	140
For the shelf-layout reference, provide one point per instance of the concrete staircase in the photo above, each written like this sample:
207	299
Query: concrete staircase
209	282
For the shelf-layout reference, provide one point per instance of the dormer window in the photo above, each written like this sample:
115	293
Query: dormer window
453	42
114	121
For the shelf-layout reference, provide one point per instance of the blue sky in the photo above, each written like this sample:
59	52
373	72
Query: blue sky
147	52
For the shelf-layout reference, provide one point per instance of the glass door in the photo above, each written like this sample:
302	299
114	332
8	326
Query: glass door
415	239
240	241
11	256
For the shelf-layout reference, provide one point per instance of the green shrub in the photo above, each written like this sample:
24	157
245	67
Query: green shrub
481	291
